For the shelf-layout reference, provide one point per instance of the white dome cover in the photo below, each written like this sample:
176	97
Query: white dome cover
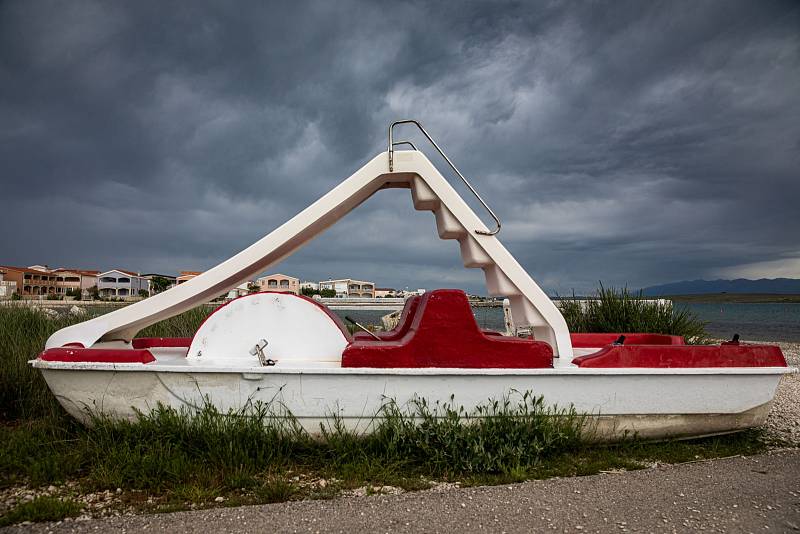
295	328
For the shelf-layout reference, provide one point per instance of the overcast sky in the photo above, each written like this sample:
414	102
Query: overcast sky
634	143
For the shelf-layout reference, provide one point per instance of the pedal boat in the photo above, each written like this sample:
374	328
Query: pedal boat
279	347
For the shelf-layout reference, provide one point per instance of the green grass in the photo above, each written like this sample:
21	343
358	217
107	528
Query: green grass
193	457
619	310
41	509
166	449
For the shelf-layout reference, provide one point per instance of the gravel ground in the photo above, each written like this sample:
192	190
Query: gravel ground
783	421
741	494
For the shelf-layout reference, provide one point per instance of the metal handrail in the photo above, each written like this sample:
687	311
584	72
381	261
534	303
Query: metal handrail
409	143
452	166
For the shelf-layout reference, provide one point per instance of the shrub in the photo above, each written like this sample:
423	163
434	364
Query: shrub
619	310
93	292
73	292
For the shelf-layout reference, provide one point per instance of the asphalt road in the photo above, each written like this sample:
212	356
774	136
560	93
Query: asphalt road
754	494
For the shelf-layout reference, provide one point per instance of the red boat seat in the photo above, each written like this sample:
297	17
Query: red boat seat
161	342
580	341
676	356
443	333
67	354
403	324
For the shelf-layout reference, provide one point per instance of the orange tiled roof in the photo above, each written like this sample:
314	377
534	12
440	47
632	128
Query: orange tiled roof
79	271
23	269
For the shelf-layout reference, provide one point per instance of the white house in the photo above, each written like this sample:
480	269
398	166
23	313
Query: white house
279	282
385	292
121	283
314	286
347	287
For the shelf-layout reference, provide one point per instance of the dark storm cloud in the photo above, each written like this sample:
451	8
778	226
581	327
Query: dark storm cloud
630	142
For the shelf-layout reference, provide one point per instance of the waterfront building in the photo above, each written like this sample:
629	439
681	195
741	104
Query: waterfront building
381	292
121	283
314	286
184	276
74	280
39	280
349	288
67	280
7	287
239	291
29	281
279	282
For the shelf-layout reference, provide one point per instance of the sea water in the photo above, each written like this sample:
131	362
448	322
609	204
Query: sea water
773	321
752	321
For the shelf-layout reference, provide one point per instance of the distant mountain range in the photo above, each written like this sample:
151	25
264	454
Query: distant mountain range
775	286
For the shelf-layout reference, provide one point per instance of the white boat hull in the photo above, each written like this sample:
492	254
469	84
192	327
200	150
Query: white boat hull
651	403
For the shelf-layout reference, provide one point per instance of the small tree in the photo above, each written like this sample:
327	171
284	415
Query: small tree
73	292
327	293
143	293
253	288
94	292
159	284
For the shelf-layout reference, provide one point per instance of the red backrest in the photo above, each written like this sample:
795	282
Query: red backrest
443	333
403	324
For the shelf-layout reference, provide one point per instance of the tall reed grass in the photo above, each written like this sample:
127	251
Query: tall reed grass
23	332
24	329
620	310
183	325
